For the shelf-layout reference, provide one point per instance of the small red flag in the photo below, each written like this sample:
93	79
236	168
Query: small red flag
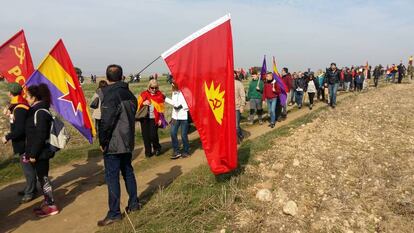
202	67
15	60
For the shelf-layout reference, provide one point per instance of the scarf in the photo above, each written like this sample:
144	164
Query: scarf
157	100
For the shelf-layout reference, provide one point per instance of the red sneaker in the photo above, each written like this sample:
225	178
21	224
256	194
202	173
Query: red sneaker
47	210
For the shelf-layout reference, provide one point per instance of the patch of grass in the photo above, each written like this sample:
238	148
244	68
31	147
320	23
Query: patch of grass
200	201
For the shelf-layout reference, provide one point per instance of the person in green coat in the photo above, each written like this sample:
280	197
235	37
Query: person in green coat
254	95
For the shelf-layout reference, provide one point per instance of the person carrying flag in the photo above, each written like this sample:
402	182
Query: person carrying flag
37	128
288	80
154	100
17	112
270	94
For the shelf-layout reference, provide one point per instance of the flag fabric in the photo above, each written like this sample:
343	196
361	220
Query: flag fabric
58	73
202	66
280	83
16	63
263	72
158	101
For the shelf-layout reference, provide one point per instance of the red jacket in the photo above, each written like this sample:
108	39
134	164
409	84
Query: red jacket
287	79
268	92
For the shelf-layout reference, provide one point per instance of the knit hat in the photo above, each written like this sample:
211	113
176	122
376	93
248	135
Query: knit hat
15	88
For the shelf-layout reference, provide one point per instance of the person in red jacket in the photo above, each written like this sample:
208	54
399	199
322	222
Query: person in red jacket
270	95
288	80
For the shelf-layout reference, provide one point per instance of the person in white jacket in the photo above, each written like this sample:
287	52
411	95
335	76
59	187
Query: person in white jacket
179	120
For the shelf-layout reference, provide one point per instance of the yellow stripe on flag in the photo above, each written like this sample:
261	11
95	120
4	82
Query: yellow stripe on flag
56	74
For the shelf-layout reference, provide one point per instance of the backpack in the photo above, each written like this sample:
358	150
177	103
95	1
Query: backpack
59	135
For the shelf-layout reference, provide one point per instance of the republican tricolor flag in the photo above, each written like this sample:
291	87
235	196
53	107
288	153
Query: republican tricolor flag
280	83
202	66
58	73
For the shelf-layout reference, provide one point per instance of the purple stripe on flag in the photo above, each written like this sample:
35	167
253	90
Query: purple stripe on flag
264	69
64	108
281	84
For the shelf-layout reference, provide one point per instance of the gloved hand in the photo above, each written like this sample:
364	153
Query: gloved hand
177	108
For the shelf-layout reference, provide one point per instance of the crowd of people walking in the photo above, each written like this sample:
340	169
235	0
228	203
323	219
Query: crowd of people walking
116	110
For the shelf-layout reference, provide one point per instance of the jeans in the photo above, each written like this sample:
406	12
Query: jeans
30	176
271	106
175	125
375	82
238	129
299	98
347	85
114	163
332	88
321	93
292	95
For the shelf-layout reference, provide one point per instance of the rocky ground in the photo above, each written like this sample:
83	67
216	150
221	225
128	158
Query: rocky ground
350	170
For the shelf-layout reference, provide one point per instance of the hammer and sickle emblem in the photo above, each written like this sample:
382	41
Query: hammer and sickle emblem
19	51
216	103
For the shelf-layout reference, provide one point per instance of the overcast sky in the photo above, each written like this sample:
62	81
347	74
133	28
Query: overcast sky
299	33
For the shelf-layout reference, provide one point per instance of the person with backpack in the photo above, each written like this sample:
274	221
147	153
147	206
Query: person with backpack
37	129
255	95
17	112
332	78
117	141
179	119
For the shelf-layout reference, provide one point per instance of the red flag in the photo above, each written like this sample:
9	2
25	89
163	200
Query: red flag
202	66
15	60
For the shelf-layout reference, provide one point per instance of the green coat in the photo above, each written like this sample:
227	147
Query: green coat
253	93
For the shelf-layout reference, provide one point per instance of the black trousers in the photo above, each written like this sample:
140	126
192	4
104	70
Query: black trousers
400	77
375	82
321	93
278	110
42	171
149	132
311	96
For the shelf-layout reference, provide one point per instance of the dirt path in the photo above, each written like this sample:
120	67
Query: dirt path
81	193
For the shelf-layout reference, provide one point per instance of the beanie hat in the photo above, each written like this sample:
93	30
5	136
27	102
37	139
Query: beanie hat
15	88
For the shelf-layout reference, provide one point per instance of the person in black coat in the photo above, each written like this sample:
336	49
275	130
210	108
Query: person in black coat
332	78
117	141
17	112
38	123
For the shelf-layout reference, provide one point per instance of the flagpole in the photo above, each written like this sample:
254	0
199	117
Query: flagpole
149	64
